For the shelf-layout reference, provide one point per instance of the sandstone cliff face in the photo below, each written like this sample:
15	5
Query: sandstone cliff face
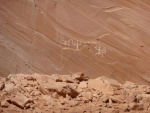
100	38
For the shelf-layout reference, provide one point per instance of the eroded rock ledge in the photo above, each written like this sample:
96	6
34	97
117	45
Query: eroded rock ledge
74	93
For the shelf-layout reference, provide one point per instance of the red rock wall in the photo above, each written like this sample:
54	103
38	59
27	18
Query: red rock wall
100	38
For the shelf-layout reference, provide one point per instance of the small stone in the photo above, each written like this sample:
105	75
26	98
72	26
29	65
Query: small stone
80	76
56	77
37	110
123	107
78	98
36	93
105	98
31	78
54	95
21	89
24	83
62	100
87	95
43	90
110	102
71	103
115	99
95	95
67	79
20	100
94	99
49	100
4	104
82	85
73	92
115	111
139	97
98	84
2	86
2	80
13	79
85	100
109	81
9	87
1	111
136	106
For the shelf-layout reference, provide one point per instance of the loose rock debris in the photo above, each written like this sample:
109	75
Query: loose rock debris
76	93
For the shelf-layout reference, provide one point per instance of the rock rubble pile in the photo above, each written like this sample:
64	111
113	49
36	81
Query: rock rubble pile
76	93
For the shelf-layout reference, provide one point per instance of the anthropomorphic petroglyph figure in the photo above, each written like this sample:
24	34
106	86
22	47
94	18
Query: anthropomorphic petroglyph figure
76	44
100	50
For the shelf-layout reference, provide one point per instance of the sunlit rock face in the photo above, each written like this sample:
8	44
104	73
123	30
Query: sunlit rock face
98	37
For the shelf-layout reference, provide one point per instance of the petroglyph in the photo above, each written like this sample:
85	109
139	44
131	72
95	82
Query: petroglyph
78	45
100	50
103	36
113	8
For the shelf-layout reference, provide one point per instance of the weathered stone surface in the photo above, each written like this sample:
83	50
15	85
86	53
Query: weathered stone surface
37	110
136	106
82	85
80	76
2	85
87	95
67	79
98	84
109	81
2	80
105	98
42	90
20	100
115	99
9	87
4	103
73	92
56	77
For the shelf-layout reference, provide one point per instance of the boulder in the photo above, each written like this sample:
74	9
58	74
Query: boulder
2	85
37	110
115	99
72	91
109	81
54	86
61	88
24	83
20	100
82	85
105	98
131	97
42	90
30	78
67	79
56	77
98	84
4	104
49	100
136	106
79	76
2	80
87	95
9	87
